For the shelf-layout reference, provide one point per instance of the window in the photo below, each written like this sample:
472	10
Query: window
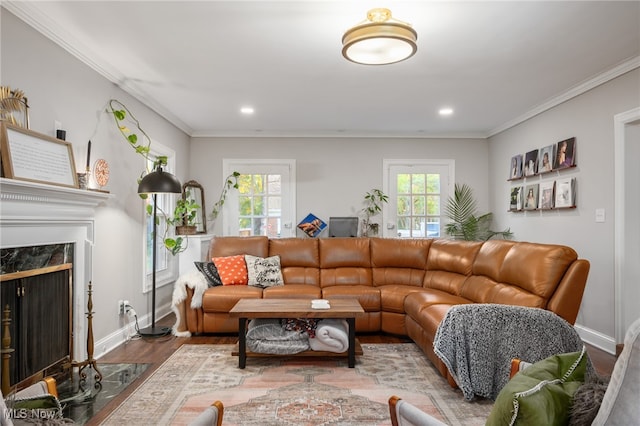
166	263
418	190
264	203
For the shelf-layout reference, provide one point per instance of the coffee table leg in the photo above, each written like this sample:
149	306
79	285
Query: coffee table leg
352	342
242	342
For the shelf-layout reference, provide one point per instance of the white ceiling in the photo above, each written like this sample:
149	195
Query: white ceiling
198	62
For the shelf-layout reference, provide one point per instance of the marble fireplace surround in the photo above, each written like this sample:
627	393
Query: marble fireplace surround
33	214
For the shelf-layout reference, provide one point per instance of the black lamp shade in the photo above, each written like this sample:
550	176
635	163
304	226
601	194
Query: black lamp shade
158	182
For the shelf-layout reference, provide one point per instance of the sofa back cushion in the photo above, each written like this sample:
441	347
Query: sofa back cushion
399	261
231	246
344	261
299	259
449	263
520	273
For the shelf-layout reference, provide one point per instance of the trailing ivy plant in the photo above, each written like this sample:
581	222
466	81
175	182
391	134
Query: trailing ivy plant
124	119
465	223
230	182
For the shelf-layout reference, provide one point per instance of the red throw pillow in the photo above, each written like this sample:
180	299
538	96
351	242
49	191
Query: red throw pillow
232	270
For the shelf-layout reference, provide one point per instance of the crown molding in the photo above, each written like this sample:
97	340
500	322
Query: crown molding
42	23
577	90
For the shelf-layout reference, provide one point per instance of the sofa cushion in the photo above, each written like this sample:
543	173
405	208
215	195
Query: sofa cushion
232	269
541	394
449	264
369	297
299	259
292	291
225	297
344	252
392	297
208	269
399	261
263	272
229	246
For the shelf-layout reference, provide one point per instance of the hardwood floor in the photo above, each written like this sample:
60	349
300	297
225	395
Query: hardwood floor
155	351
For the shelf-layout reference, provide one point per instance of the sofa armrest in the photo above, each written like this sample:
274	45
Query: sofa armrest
193	318
567	298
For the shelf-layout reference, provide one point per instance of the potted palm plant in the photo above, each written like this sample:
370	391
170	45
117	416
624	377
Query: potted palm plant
465	224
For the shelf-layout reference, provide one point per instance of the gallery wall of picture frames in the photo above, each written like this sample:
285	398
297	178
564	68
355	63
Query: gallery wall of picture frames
543	194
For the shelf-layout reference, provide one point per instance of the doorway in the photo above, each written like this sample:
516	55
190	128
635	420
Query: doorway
627	226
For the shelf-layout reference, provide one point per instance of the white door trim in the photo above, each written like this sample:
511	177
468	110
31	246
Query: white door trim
620	122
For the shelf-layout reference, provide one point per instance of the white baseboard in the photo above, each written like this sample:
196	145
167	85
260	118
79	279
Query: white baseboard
121	335
597	339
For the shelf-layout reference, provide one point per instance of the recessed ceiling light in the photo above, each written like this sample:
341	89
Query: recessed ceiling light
446	111
246	110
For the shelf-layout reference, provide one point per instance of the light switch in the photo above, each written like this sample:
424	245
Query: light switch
600	215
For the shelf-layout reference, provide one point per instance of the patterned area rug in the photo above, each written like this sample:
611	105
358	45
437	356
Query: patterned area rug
295	391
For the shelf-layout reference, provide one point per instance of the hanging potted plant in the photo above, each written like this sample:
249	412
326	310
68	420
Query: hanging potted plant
185	215
373	200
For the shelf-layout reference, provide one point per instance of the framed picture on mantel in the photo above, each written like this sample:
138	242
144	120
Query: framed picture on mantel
31	156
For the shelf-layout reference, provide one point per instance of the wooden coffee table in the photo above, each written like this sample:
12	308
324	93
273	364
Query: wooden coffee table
245	309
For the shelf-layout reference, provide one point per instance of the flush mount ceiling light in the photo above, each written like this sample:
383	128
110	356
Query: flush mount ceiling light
379	40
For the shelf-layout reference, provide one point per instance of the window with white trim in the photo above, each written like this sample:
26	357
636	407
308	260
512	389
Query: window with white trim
264	203
166	263
418	191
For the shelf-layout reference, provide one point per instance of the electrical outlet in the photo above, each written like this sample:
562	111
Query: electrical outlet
121	305
126	307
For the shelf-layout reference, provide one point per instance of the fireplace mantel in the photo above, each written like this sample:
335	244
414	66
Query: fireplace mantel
27	200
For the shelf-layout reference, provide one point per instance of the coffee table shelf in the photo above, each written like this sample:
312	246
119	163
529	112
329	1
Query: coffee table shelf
347	309
358	351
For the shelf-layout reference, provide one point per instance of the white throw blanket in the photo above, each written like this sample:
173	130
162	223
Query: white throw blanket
194	280
332	335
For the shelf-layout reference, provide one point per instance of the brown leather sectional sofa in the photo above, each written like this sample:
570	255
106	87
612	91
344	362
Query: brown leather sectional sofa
405	286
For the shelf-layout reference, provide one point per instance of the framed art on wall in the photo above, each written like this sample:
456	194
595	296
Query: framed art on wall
565	154
546	195
515	170
545	159
31	156
531	197
530	166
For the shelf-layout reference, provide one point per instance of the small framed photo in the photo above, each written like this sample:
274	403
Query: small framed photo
515	203
515	170
31	156
546	195
312	225
545	159
565	154
565	193
531	197
530	166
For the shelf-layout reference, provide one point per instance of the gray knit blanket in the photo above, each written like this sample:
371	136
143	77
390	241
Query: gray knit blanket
477	342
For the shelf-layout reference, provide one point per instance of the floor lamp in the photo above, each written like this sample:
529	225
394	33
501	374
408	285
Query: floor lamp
154	183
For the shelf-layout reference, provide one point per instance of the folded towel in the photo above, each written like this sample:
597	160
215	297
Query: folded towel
331	336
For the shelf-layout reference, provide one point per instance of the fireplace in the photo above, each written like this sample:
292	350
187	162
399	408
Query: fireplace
37	288
40	215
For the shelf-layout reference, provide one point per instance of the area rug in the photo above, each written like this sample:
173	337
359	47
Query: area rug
295	391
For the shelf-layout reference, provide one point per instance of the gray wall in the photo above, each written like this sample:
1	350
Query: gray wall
590	118
334	174
59	87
